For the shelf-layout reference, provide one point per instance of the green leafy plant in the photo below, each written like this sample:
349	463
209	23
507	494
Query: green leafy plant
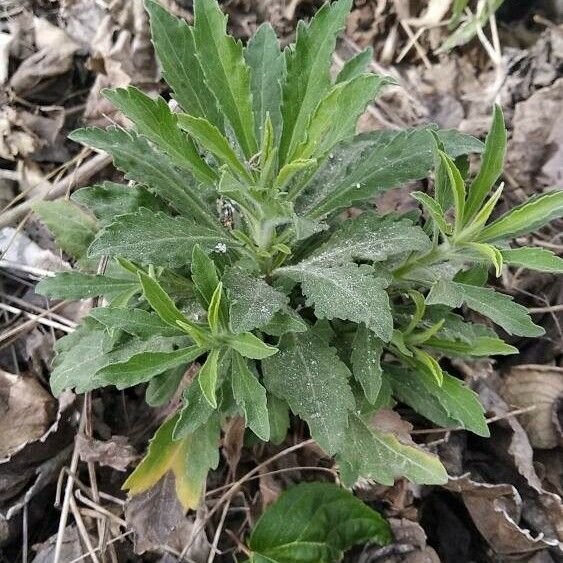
314	523
228	247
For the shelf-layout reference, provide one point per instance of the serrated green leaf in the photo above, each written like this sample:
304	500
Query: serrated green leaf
225	70
107	200
334	119
355	66
284	321
194	413
539	259
381	457
451	403
308	72
267	68
525	218
156	238
492	162
308	374
498	307
348	292
250	395
209	137
455	143
314	523
160	301
136	322
207	377
366	166
157	122
142	367
250	346
72	228
76	285
253	301
370	237
175	48
133	155
366	356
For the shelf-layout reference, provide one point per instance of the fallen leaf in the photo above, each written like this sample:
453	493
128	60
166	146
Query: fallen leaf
116	452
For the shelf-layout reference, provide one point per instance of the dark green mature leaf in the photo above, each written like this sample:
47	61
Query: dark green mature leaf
491	165
355	66
539	259
225	70
348	292
162	387
366	356
267	68
141	162
308	374
76	285
194	413
144	366
253	301
72	228
158	123
370	237
334	119
381	457
498	307
157	238
175	47
456	144
250	395
107	200
448	404
136	322
366	166
525	218
308	72
284	321
314	523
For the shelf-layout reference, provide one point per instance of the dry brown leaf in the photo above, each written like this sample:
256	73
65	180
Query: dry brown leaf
116	452
541	387
233	441
26	412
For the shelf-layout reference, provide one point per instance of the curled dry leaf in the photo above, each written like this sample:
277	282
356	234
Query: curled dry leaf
26	412
496	511
541	387
116	452
157	519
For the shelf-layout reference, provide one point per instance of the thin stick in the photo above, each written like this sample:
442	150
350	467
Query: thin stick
39	319
96	549
40	272
26	304
550	309
82	530
213	550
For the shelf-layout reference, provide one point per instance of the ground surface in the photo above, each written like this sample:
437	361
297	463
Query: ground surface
502	502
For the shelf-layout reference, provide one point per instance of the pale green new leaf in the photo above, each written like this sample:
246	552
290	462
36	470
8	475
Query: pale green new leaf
335	117
370	237
308	374
457	187
156	238
142	367
253	301
375	455
77	285
314	523
539	259
175	47
498	307
250	395
267	68
451	403
208	375
225	70
158	123
434	210
348	292
72	228
525	218
209	137
308	72
492	162
133	155
355	66
250	346
490	253
366	357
